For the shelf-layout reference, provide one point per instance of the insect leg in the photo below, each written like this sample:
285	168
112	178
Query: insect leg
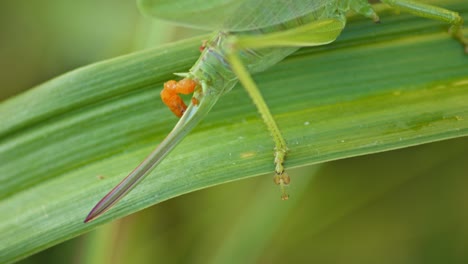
238	67
311	34
364	8
433	12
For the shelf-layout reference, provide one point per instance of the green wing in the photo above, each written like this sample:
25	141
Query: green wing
231	15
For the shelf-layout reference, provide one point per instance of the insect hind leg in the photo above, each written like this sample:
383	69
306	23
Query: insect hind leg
281	178
433	12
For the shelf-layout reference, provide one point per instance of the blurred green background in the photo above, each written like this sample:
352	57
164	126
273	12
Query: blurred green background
405	206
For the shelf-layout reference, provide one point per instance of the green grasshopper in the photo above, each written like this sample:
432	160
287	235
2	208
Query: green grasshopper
251	36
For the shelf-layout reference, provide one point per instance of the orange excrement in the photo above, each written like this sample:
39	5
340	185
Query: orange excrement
170	94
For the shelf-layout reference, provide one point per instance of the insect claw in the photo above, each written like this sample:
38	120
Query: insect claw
457	33
376	19
282	180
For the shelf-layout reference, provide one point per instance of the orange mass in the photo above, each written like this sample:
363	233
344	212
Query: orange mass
170	94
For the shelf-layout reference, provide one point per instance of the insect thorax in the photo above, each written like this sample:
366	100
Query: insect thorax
213	68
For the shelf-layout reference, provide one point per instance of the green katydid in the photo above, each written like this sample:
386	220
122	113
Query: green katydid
251	36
